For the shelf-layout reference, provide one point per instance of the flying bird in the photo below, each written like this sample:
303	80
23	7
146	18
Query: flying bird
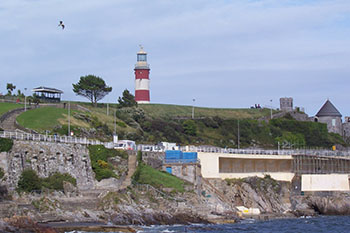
61	25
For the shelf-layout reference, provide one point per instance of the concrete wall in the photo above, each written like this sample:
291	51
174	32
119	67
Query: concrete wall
329	182
241	166
186	172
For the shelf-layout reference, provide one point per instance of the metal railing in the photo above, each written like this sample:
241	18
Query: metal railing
207	149
49	138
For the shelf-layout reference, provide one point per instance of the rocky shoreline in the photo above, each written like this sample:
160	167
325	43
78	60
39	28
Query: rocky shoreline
111	210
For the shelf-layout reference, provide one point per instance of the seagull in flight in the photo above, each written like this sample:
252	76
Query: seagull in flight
61	25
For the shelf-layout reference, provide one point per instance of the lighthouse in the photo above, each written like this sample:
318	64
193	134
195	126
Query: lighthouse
142	78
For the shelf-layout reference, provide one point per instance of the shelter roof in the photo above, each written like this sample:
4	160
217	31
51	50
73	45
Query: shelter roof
47	90
328	109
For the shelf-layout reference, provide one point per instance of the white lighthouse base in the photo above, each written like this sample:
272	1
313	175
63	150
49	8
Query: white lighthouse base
143	102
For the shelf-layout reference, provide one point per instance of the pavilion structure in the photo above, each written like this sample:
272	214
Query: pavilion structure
47	94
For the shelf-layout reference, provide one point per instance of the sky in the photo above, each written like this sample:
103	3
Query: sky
222	53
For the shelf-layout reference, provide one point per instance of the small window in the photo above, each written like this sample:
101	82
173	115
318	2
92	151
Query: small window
333	122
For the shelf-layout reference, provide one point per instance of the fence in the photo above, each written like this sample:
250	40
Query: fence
49	138
207	149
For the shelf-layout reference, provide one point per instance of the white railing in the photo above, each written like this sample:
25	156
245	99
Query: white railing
207	149
49	138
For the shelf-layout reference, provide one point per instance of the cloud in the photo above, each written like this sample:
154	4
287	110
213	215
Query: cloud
225	53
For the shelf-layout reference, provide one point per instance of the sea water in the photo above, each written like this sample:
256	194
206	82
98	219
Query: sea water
318	224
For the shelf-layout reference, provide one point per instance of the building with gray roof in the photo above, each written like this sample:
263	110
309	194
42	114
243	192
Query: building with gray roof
330	115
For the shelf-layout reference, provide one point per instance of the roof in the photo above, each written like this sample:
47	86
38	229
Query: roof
47	89
328	109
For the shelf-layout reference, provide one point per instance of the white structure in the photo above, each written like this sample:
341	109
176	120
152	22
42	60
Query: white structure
125	145
325	182
219	165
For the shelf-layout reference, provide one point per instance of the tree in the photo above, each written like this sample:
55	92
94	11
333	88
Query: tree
10	87
92	87
128	100
29	181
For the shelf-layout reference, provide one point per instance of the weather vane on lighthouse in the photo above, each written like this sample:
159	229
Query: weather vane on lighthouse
142	94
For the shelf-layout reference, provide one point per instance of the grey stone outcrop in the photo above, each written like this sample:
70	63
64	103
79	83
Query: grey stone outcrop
47	158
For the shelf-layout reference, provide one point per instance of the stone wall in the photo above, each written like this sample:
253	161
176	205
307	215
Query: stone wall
186	171
47	158
337	127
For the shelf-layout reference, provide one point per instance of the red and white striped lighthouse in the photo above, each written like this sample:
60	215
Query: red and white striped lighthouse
142	78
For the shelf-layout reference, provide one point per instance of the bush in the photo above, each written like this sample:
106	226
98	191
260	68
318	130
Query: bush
29	181
55	181
5	144
2	173
99	161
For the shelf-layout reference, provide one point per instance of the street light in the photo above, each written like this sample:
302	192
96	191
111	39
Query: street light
25	100
271	108
193	109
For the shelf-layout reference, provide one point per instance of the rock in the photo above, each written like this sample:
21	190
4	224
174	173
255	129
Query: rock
69	189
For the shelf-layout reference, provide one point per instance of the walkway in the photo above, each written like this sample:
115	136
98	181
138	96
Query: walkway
8	120
132	162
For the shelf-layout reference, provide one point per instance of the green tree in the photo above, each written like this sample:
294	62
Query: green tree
29	181
190	127
91	87
128	100
10	87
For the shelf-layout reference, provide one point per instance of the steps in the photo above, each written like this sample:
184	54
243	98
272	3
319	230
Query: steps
132	161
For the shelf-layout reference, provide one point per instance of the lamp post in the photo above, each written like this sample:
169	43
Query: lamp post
193	109
271	109
25	100
238	136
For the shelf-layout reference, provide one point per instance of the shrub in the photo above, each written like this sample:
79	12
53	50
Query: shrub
29	181
99	161
5	144
2	173
55	181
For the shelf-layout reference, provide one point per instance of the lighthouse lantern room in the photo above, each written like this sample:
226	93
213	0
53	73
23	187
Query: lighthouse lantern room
142	69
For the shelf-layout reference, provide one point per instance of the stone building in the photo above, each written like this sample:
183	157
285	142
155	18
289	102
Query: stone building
286	104
346	129
331	116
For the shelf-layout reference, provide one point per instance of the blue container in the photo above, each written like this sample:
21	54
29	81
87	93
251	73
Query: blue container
190	157
173	154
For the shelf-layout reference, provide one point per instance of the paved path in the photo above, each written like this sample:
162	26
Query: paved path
131	169
9	122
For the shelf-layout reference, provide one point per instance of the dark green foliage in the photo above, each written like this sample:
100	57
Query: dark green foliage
29	181
2	173
315	134
91	87
100	153
190	127
55	181
5	144
128	100
10	87
139	156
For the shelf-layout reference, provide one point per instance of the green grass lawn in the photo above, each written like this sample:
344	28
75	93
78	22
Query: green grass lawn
41	119
158	179
5	107
171	111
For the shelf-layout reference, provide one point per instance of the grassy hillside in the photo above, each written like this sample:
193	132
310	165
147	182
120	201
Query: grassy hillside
41	119
154	123
5	107
173	111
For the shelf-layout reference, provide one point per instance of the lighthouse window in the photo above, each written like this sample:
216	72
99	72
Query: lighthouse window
141	57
